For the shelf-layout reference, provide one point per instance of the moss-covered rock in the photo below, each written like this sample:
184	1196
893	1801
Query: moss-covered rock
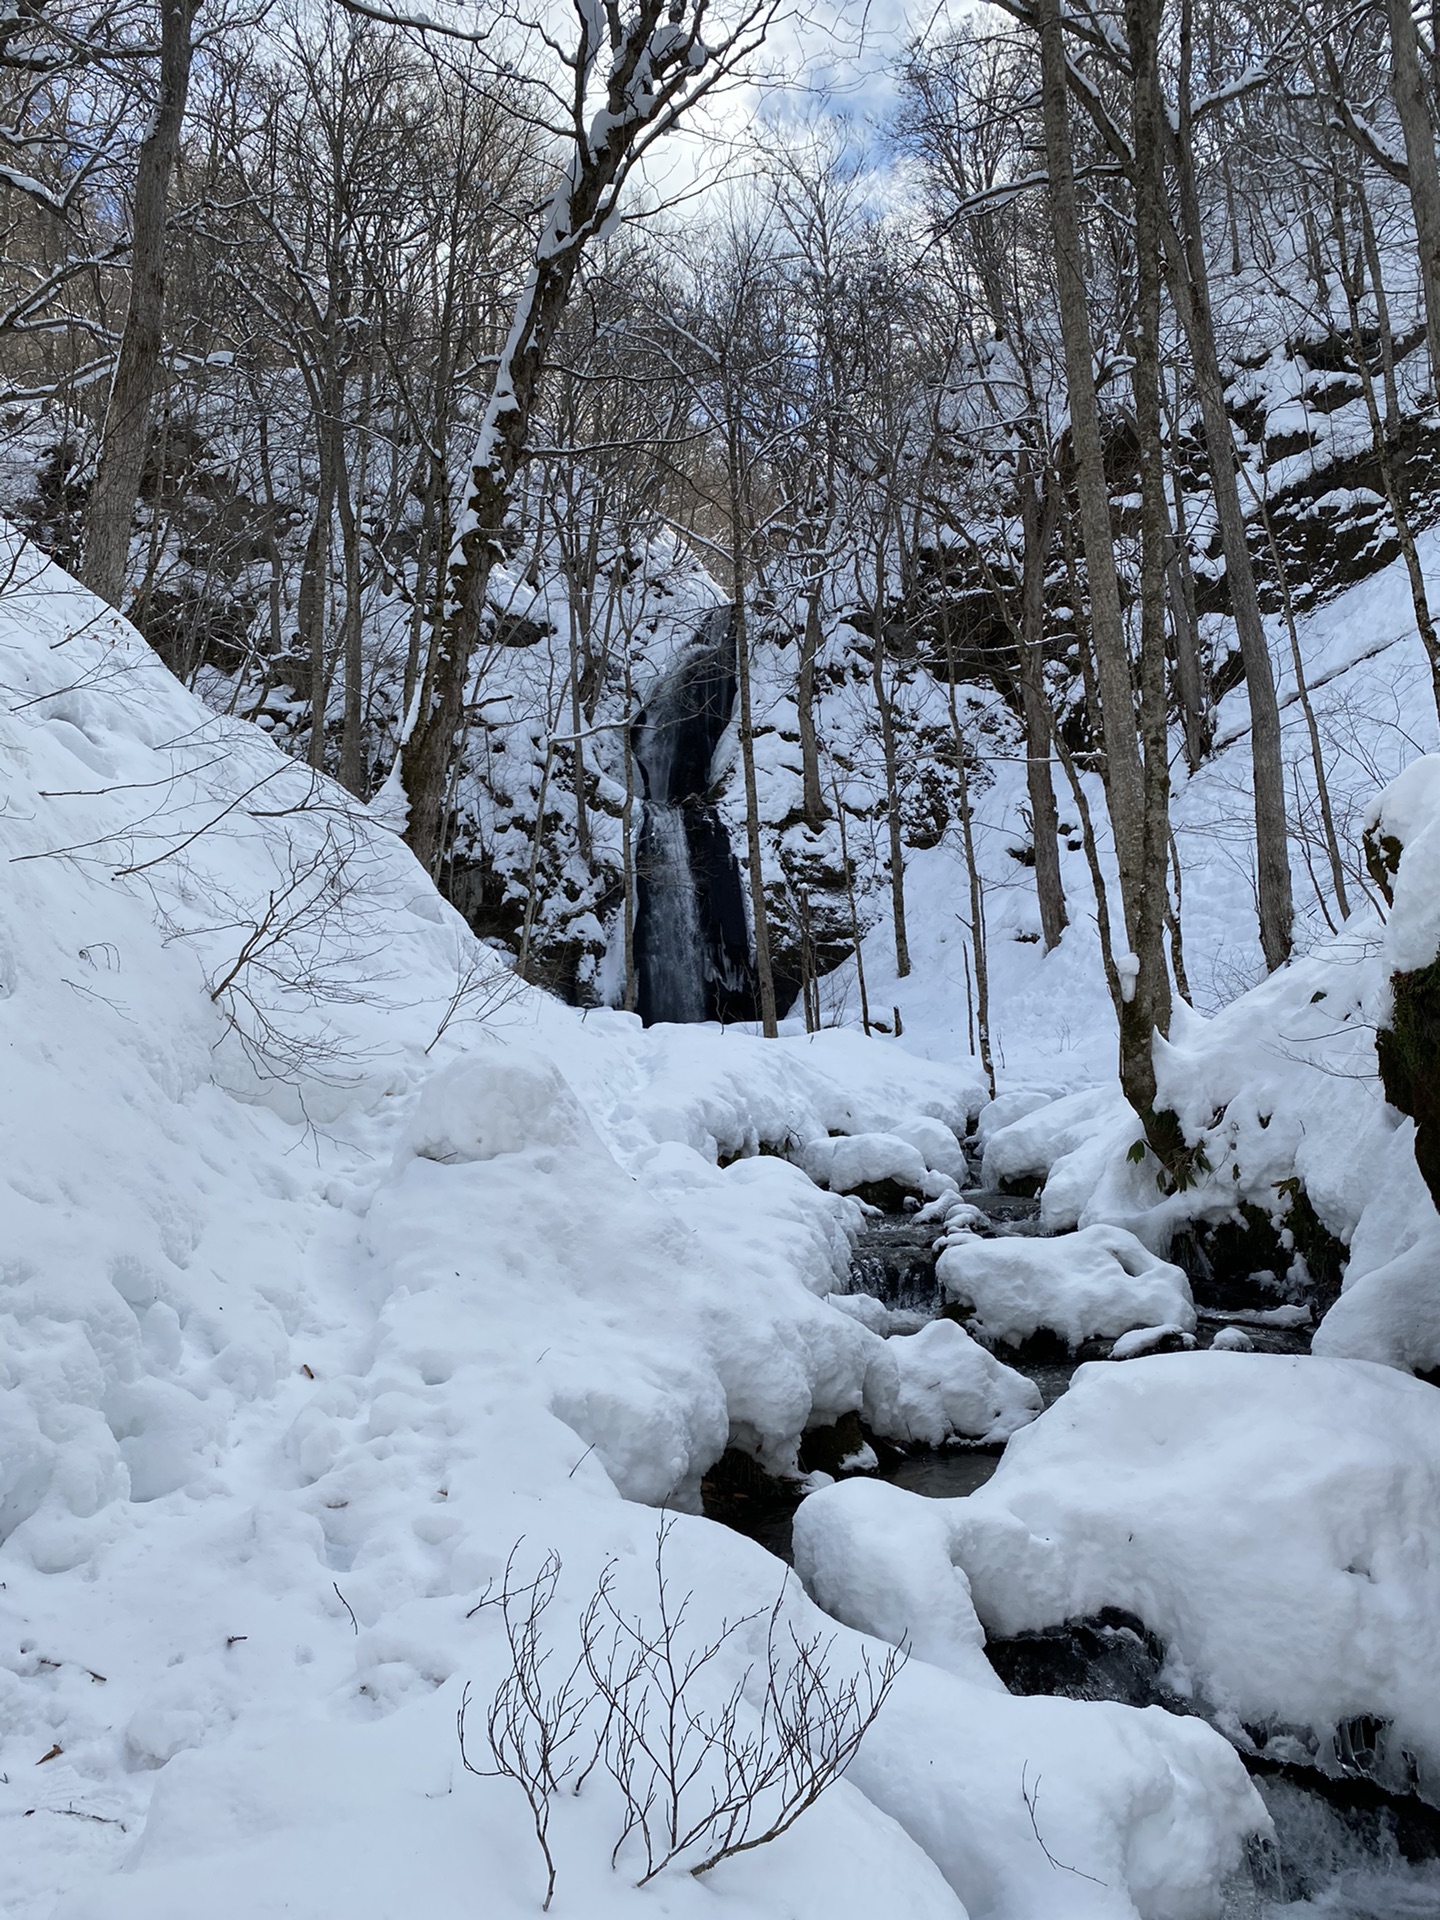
1408	1048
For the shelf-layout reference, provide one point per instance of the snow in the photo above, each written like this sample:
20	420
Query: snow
1268	1517
1146	1339
1098	1283
867	1159
335	1263
1388	1308
1124	1798
945	1382
1408	812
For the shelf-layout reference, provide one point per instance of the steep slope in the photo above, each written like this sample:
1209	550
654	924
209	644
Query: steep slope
337	1268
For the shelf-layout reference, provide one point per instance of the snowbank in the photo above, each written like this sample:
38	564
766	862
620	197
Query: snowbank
1148	1811
334	1264
1269	1517
938	1381
861	1160
1095	1284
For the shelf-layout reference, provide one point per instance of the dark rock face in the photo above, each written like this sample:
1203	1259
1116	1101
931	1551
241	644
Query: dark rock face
692	933
1236	1264
1110	1657
1409	1055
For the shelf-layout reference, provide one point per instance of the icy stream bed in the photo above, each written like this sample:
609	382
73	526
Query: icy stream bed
1343	1850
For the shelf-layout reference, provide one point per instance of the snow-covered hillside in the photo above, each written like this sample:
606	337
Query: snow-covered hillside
337	1270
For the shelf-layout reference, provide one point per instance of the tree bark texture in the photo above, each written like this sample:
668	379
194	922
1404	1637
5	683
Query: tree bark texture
125	435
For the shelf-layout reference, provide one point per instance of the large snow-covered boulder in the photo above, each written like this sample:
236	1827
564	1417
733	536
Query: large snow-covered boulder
1095	1284
878	1558
1147	1810
1270	1517
923	1387
853	1163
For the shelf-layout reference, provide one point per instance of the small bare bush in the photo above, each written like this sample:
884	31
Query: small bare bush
705	1769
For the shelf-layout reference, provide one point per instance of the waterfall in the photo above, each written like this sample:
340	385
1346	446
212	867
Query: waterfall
692	935
672	953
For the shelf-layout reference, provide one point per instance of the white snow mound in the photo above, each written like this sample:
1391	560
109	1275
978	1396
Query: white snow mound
1268	1516
927	1385
1098	1283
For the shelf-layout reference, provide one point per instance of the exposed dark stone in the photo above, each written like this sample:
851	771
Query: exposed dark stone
1111	1656
739	1493
826	1449
1236	1264
1023	1186
889	1195
1408	1049
1357	1773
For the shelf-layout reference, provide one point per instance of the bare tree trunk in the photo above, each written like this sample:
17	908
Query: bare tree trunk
1146	1010
352	527
1190	289
1112	665
125	436
1139	982
978	941
1039	514
1382	310
1412	105
754	847
854	909
577	727
812	798
627	850
1192	687
1317	757
890	751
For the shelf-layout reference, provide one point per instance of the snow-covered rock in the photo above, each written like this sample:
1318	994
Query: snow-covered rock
879	1559
1405	822
925	1386
1098	1283
852	1161
1147	1810
1140	1340
937	1145
1389	1306
1271	1518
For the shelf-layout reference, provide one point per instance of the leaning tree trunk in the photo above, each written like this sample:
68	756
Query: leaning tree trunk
1139	981
1411	92
1147	1010
125	435
1190	288
657	61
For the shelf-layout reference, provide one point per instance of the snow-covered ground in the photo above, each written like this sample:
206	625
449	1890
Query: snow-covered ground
335	1271
1051	1021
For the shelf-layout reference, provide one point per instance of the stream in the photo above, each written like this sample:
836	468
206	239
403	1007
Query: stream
1344	1848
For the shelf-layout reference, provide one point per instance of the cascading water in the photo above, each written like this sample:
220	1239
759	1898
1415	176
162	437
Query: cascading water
692	937
672	952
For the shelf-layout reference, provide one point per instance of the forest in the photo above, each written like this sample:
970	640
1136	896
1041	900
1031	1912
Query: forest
720	728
